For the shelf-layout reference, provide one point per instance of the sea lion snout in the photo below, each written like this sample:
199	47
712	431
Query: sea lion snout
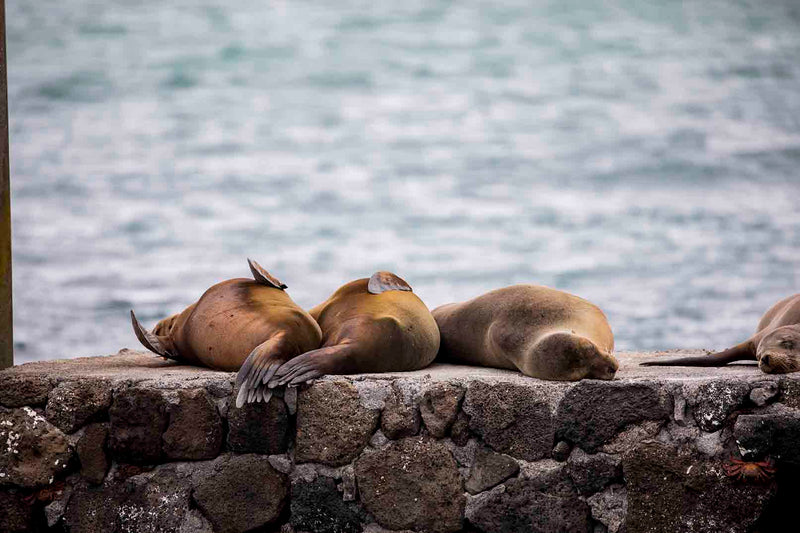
779	351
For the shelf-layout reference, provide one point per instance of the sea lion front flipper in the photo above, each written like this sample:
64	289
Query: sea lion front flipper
258	369
261	275
386	281
152	342
740	352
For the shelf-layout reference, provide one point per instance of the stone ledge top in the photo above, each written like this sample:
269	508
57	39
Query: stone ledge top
136	366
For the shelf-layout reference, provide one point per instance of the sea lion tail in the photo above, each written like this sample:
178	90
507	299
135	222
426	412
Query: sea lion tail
740	352
258	369
261	275
155	343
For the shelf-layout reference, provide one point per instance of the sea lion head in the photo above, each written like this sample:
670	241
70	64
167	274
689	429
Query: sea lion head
571	357
779	351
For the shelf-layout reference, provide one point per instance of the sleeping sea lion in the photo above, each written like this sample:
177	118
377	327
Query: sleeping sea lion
542	332
368	325
775	345
232	319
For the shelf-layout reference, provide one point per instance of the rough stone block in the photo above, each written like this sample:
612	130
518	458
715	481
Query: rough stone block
592	412
590	473
669	490
138	419
74	403
20	390
32	450
610	507
412	484
489	470
459	431
715	401
332	425
15	514
773	434
400	417
765	393
194	430
240	493
91	450
440	406
512	419
317	506
259	427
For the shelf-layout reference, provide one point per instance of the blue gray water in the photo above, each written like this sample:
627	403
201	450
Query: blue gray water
642	154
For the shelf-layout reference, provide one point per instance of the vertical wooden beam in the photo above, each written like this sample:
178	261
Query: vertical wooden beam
6	317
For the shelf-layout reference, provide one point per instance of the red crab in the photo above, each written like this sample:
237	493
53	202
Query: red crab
754	472
47	494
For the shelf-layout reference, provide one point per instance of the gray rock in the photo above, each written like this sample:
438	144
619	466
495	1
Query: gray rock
490	469
632	436
775	434
591	473
522	505
332	425
195	522
413	483
593	412
241	492
548	476
349	487
440	406
710	444
400	417
282	463
715	401
765	393
290	399
789	391
512	419
20	390
91	450
73	403
195	428
610	507
32	450
464	455
259	427
670	490
138	420
318	507
378	440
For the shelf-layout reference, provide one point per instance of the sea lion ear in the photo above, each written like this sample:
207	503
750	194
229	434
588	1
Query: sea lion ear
264	277
386	281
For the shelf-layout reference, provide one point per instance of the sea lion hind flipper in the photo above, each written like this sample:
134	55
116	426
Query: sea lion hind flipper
386	281
314	364
740	352
149	340
257	370
261	275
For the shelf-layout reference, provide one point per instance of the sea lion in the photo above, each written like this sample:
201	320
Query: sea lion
775	344
232	319
368	325
542	332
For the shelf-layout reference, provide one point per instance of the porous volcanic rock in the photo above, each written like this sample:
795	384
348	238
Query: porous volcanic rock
590	473
73	403
670	490
194	430
317	506
512	419
20	390
15	513
400	417
440	406
593	412
413	483
332	425
715	401
240	492
138	419
32	450
774	434
259	427
488	470
91	450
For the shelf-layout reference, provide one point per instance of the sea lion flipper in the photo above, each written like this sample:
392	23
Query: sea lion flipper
314	364
386	281
149	340
740	352
261	275
257	370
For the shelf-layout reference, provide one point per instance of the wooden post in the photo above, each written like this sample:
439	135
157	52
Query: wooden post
6	317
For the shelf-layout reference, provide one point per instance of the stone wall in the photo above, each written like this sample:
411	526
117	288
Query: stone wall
132	443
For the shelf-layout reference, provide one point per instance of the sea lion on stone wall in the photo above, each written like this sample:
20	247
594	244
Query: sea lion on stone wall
368	325
232	319
542	332
775	345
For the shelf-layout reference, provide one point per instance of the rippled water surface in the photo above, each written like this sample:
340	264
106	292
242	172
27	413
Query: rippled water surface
642	154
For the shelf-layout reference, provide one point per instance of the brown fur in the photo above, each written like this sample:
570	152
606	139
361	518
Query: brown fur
542	332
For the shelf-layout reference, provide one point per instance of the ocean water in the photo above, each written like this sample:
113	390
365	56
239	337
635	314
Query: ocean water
644	155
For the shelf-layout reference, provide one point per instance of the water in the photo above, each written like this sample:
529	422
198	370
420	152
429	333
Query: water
643	155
